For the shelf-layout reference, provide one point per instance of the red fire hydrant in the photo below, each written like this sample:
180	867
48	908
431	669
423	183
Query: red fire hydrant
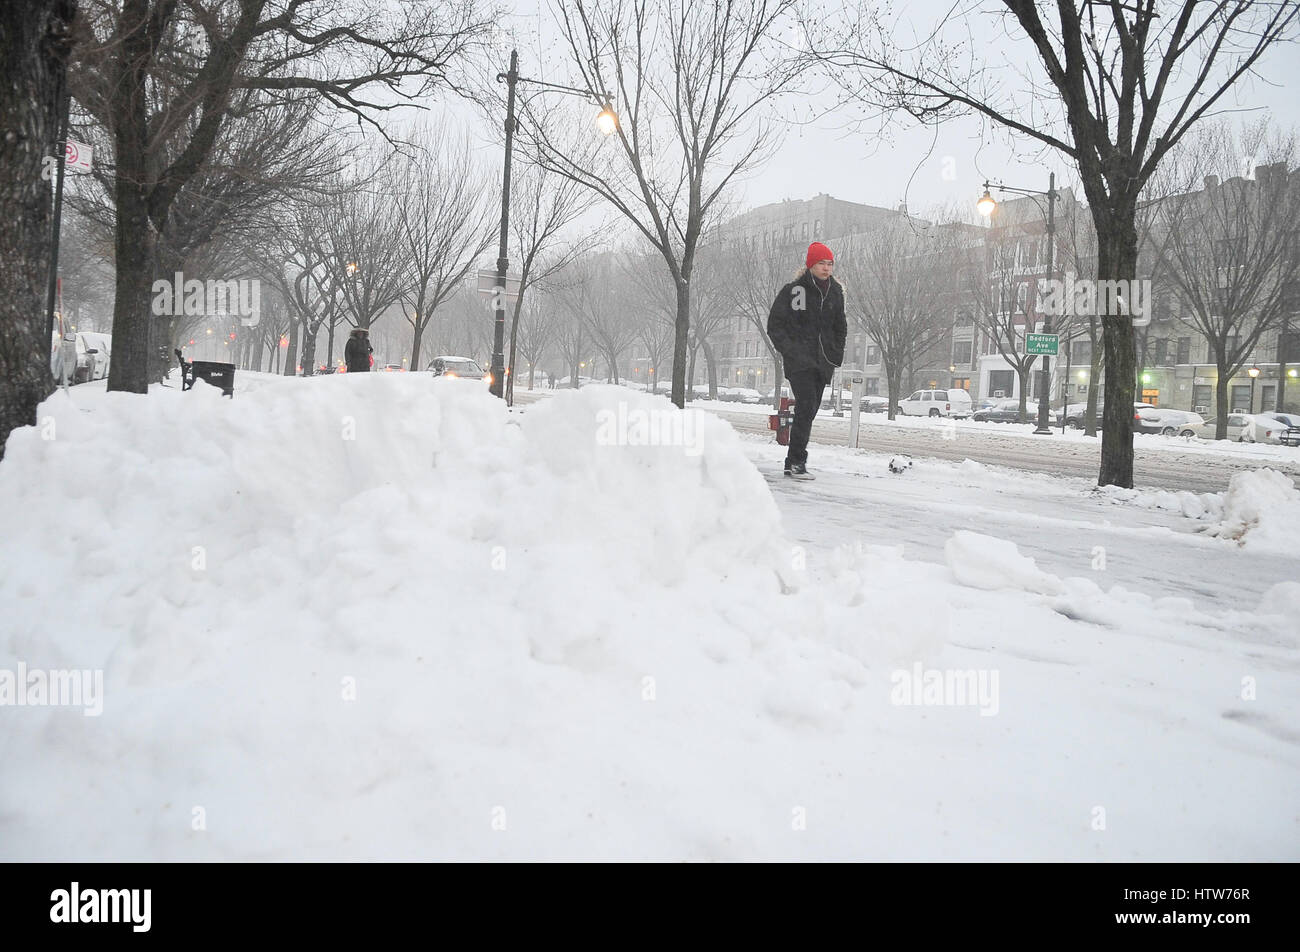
781	420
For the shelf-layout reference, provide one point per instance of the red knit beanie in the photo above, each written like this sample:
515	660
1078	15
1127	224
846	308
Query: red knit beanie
818	252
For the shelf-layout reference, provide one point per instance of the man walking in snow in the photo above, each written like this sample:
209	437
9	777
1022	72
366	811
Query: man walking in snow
807	326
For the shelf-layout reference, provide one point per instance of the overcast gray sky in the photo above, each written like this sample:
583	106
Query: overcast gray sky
925	167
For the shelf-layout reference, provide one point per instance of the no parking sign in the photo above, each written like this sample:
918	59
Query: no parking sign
77	156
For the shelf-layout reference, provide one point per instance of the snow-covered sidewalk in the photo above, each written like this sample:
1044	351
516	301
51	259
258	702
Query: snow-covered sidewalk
379	616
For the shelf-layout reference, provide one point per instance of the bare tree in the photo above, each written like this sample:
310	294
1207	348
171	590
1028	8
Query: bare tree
536	330
1114	88
898	278
688	80
443	217
545	206
593	292
163	76
361	241
755	276
1228	249
35	42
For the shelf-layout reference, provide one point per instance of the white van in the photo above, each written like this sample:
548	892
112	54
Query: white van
937	403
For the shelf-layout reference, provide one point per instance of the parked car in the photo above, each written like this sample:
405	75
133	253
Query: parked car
394	368
1236	427
94	351
1262	428
937	403
1290	435
1076	413
871	403
1165	421
1004	411
464	367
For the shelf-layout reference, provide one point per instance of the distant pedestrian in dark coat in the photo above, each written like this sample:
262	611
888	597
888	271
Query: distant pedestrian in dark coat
357	351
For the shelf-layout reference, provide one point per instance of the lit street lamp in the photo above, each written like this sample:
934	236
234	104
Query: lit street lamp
606	122
986	206
1253	372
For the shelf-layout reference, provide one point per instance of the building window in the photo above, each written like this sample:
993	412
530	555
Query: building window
872	386
961	351
805	229
1240	398
1184	350
1160	351
873	355
817	227
1081	351
1002	383
961	383
1202	397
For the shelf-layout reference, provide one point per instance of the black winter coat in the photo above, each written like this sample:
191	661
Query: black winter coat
356	354
811	336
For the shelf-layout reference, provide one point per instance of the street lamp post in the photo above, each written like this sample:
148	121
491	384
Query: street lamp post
986	206
1253	372
606	121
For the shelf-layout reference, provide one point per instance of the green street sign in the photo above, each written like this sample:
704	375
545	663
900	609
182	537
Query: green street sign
1043	345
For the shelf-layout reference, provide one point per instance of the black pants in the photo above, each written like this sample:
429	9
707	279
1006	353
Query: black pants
808	386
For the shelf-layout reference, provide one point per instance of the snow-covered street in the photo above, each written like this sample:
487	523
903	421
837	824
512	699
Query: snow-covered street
381	616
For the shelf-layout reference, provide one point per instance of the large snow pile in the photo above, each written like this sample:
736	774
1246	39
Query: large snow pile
357	616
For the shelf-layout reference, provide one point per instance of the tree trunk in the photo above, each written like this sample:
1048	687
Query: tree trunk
1220	402
291	355
1094	373
309	348
417	340
681	333
514	341
1117	261
894	380
33	60
690	372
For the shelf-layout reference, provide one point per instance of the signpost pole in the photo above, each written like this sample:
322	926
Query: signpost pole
1045	385
856	410
60	148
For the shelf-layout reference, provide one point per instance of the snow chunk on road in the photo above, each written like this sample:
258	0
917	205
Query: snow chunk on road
1261	508
982	561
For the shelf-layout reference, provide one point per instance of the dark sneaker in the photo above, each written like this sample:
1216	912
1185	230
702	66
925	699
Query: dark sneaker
787	469
799	471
